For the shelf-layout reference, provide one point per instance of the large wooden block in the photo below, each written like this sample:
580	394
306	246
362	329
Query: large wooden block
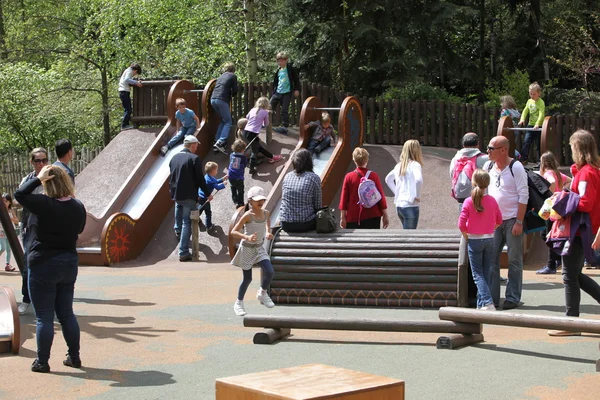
309	382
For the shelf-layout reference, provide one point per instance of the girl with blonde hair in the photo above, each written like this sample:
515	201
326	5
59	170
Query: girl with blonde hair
406	182
257	118
479	217
57	220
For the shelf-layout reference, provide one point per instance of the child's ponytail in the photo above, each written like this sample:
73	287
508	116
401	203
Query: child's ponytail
480	182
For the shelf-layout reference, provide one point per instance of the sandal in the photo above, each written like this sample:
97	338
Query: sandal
275	159
9	268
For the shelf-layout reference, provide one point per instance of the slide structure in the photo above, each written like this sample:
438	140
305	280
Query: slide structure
331	165
120	223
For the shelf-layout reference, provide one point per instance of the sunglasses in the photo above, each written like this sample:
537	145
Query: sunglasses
490	148
40	160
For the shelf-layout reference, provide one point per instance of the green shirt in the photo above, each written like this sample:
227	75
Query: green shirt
283	86
536	111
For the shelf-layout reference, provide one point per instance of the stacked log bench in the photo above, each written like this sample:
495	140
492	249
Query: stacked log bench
389	268
10	339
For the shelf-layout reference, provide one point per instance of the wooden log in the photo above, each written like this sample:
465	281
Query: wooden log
270	336
520	320
364	302
372	135
357	285
10	326
442	140
357	294
348	274
375	253
457	340
389	110
396	108
195	217
359	324
435	263
370	275
366	246
417	131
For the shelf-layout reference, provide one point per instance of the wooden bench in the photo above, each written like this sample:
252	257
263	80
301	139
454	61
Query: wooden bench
309	382
10	339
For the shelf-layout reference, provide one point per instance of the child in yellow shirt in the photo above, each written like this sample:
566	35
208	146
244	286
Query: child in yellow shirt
536	110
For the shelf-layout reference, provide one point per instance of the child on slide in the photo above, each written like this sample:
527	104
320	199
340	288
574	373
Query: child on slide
322	134
187	123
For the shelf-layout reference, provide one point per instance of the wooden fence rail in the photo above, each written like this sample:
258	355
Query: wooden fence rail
432	123
14	168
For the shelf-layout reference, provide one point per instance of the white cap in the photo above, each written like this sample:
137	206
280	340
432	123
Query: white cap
189	139
256	193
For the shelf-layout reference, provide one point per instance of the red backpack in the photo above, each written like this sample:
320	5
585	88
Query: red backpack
461	176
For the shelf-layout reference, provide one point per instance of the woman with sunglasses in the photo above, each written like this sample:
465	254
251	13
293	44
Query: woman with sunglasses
38	158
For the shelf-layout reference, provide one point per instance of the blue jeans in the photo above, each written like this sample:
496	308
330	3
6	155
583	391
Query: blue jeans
267	277
503	235
480	259
204	207
126	101
409	216
180	135
317	147
183	224
530	137
51	287
223	109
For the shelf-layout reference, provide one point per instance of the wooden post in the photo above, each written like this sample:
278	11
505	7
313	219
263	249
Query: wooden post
442	137
269	128
456	340
195	217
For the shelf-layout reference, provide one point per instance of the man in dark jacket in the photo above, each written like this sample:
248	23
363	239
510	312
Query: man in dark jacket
285	83
186	177
225	88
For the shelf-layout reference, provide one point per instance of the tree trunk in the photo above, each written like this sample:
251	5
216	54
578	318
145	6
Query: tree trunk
3	54
250	19
481	50
105	106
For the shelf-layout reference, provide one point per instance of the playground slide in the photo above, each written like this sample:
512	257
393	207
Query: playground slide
331	165
121	222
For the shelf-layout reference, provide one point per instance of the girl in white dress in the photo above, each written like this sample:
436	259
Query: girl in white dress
256	228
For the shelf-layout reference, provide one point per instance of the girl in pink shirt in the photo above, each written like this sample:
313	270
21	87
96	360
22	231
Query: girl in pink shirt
479	217
257	118
549	170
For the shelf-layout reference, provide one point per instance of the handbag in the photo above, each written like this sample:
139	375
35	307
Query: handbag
326	222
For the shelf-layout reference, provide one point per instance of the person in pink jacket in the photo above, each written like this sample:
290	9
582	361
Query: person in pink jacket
479	217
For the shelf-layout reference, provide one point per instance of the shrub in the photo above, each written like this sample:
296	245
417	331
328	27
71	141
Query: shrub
420	91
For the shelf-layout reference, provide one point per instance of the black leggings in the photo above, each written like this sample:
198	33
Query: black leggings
256	147
369	223
575	280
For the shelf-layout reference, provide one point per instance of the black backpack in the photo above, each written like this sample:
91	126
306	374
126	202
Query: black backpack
539	191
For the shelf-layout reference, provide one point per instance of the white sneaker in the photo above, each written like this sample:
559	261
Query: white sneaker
489	307
238	307
164	150
264	298
23	307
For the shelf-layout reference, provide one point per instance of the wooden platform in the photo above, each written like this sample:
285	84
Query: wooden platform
309	382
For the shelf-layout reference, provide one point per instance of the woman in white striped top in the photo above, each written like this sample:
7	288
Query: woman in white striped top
257	228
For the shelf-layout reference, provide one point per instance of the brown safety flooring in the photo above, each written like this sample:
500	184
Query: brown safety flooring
213	245
100	181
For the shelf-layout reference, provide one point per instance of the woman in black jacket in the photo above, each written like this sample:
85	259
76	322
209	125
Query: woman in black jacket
56	220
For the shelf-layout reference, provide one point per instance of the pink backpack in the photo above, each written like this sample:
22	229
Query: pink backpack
461	176
368	195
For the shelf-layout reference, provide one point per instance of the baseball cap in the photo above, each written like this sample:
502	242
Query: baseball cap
189	139
256	193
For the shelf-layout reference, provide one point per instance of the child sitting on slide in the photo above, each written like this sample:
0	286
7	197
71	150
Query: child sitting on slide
322	134
187	123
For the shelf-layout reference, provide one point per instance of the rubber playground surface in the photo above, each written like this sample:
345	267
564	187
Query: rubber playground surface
160	329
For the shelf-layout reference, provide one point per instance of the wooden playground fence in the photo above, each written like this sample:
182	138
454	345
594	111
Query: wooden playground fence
14	168
432	123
